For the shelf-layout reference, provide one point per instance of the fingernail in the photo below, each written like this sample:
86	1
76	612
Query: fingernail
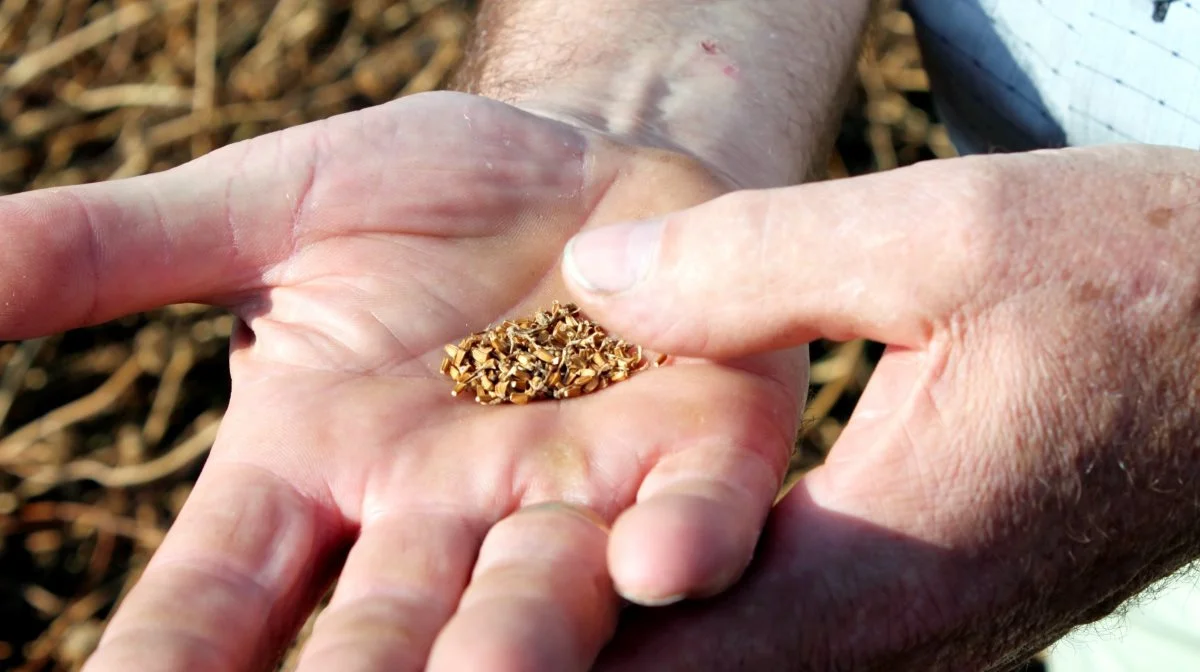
613	258
643	601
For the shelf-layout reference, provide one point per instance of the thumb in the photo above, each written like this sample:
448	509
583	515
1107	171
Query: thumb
762	270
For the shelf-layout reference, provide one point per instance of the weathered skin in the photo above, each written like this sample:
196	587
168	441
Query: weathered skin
353	249
1027	452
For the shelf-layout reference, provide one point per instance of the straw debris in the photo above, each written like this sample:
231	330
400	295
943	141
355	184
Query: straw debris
555	354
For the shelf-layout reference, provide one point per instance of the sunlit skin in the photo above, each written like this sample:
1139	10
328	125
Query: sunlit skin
1024	456
353	249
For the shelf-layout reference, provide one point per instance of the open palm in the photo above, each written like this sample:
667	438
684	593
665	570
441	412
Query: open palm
353	249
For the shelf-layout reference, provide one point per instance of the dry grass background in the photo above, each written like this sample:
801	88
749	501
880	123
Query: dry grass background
103	430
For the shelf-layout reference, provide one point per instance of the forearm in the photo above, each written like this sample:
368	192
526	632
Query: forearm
752	88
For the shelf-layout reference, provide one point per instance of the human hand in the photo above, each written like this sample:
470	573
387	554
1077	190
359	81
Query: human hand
1024	457
353	249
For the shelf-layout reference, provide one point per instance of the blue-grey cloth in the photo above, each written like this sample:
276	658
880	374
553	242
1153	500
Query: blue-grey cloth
1013	75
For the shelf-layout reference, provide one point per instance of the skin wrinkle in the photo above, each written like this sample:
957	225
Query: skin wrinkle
790	394
377	181
405	353
160	222
773	240
380	493
327	320
228	217
316	505
94	255
297	332
199	647
387	593
304	191
926	480
312	168
385	597
342	651
243	581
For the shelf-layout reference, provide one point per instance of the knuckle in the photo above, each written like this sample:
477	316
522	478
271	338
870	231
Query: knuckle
975	241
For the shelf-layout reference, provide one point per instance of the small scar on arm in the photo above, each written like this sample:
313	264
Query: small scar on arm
711	48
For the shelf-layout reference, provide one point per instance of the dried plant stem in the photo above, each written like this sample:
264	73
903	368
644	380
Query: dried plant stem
177	458
9	10
834	374
204	93
100	400
60	51
183	355
40	650
129	95
87	517
14	373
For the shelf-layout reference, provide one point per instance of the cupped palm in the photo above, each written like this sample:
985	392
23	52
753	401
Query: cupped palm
352	250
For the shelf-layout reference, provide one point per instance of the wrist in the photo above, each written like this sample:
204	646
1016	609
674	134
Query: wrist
749	88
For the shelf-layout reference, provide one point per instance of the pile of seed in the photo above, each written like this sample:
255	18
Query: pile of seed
556	354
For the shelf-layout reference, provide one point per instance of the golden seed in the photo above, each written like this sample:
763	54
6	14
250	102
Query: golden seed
555	354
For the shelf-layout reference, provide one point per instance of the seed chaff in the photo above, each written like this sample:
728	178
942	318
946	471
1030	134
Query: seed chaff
555	354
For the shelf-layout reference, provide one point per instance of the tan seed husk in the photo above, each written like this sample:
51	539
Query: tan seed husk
555	354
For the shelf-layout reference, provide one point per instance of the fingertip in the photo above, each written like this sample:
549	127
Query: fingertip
613	259
615	274
680	545
540	597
